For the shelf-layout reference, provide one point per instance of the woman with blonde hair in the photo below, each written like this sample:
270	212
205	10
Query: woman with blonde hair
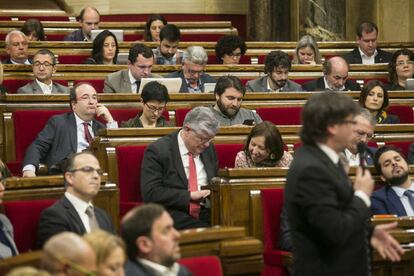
307	51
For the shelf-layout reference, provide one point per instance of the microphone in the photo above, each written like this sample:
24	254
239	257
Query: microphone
362	148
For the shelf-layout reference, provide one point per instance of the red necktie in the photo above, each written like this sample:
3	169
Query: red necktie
88	136
192	185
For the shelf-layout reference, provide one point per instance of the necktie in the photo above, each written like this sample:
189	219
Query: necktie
193	185
93	223
88	136
410	196
138	83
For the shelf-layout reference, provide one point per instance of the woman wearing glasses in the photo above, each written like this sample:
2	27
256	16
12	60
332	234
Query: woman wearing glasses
400	68
229	49
154	98
374	97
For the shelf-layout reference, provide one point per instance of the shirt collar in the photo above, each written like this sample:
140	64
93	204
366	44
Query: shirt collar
132	80
78	203
400	191
27	62
328	87
79	121
350	155
364	55
44	85
160	269
333	155
270	88
181	145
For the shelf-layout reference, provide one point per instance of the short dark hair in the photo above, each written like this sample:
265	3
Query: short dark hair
34	26
155	91
139	49
225	82
323	110
72	92
274	59
383	150
82	12
273	142
46	52
367	27
171	33
152	18
367	88
138	222
392	72
98	44
227	44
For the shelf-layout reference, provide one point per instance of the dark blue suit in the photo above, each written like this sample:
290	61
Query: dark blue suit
386	201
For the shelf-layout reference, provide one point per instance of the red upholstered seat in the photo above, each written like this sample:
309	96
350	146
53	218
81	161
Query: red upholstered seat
129	177
73	59
405	113
403	145
24	216
203	266
98	84
180	116
226	154
281	115
272	202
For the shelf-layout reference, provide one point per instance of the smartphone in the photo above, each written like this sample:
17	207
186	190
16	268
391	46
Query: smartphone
248	122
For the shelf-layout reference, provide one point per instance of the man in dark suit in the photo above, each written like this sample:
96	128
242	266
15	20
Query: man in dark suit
367	51
397	197
69	132
328	216
74	211
89	20
335	77
152	242
192	71
17	47
411	154
44	66
177	166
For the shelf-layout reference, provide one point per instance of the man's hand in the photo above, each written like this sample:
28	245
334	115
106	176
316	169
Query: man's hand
101	110
199	195
29	174
385	244
364	182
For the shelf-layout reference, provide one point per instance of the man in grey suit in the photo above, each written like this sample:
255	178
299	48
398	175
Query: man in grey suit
277	67
152	242
69	132
44	66
192	71
140	61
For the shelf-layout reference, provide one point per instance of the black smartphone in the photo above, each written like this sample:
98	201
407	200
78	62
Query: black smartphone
248	122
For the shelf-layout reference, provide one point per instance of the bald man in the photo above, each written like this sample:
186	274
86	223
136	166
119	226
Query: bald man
89	20
68	254
335	77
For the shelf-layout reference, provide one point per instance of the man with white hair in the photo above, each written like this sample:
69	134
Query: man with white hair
176	167
17	48
192	72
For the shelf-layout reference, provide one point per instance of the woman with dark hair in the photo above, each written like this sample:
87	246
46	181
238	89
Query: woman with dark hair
33	29
263	148
154	98
153	27
105	49
229	49
374	97
400	68
307	51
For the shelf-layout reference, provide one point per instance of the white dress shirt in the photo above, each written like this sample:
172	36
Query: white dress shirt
132	80
46	89
366	59
353	159
80	207
404	199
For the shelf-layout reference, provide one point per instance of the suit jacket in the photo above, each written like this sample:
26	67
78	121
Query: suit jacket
319	85
260	85
34	88
163	179
411	154
354	57
328	223
56	141
62	216
7	229
118	82
386	201
8	61
75	36
135	268
204	78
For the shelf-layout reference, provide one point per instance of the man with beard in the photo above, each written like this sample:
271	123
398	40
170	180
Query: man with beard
277	67
397	197
229	93
168	53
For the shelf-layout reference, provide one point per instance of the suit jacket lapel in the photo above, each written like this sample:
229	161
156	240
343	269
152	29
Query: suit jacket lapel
320	84
73	132
177	159
8	233
74	216
126	83
184	87
395	201
36	88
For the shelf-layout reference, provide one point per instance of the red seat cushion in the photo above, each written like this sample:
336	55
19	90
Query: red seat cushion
24	215
281	115
73	59
205	265
12	84
180	116
405	113
226	154
403	145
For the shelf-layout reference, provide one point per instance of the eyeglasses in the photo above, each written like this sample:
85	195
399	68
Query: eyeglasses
154	109
361	133
44	64
402	63
88	170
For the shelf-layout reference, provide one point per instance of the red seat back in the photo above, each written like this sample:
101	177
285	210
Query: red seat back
403	145
24	216
180	116
272	202
281	115
203	266
226	154
405	113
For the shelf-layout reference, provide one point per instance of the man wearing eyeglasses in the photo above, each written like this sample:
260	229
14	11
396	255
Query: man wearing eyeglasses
335	77
17	47
140	61
74	212
176	167
44	66
69	132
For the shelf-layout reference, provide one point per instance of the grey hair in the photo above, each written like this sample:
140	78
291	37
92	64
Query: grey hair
11	33
196	55
367	115
202	119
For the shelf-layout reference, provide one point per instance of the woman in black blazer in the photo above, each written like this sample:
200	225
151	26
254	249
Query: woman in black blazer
105	49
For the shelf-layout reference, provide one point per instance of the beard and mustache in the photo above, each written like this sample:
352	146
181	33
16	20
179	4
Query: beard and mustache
228	112
398	180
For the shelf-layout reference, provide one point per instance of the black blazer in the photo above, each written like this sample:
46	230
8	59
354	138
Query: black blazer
62	216
135	268
56	141
204	78
75	36
319	85
354	57
329	225
163	178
